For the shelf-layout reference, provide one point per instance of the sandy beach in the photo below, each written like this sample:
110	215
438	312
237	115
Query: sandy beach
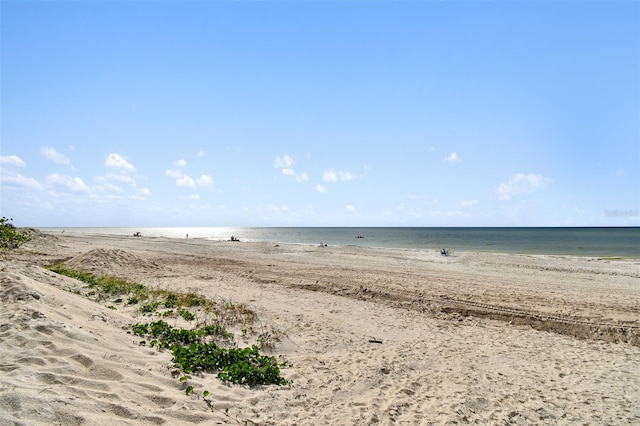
372	336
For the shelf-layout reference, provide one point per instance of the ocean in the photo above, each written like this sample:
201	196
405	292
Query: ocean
596	242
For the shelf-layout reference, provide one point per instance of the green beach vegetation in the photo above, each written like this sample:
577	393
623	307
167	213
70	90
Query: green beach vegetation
204	345
10	236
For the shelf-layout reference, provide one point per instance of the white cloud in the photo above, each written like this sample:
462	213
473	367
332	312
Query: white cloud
106	185
19	180
330	176
279	209
334	176
53	155
284	162
350	209
74	184
205	180
521	184
321	189
345	176
453	158
432	148
115	161
142	194
201	153
174	173
181	163
288	172
193	197
12	160
122	179
186	181
469	203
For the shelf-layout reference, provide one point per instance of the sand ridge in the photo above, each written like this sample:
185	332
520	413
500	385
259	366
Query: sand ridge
67	360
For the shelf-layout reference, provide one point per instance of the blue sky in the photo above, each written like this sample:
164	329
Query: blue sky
320	113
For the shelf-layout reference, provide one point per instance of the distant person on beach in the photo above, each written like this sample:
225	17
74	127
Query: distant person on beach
187	236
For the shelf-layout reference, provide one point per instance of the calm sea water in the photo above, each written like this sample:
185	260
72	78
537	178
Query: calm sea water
604	242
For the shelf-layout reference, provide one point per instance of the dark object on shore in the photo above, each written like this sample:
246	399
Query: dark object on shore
360	236
234	238
444	252
374	340
137	234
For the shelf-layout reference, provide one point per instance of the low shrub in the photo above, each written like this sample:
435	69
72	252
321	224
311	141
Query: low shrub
10	237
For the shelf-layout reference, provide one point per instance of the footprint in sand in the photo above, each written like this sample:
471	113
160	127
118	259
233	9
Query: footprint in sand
82	360
32	361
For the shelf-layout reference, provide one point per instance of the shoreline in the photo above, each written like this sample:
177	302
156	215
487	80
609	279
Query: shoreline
76	232
468	338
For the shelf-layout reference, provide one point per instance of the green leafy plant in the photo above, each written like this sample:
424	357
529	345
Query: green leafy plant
10	237
241	366
149	307
193	349
186	314
192	354
171	301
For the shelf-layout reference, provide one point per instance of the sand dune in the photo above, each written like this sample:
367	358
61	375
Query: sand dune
372	335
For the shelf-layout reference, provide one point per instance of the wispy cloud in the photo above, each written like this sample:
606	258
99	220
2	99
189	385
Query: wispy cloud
283	162
452	158
190	197
350	209
205	180
174	173
19	180
142	194
321	189
73	184
186	181
181	163
104	185
116	161
128	180
334	176
53	155
277	209
521	183
12	160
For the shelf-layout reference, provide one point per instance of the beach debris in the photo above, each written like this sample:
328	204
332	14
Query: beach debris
374	340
